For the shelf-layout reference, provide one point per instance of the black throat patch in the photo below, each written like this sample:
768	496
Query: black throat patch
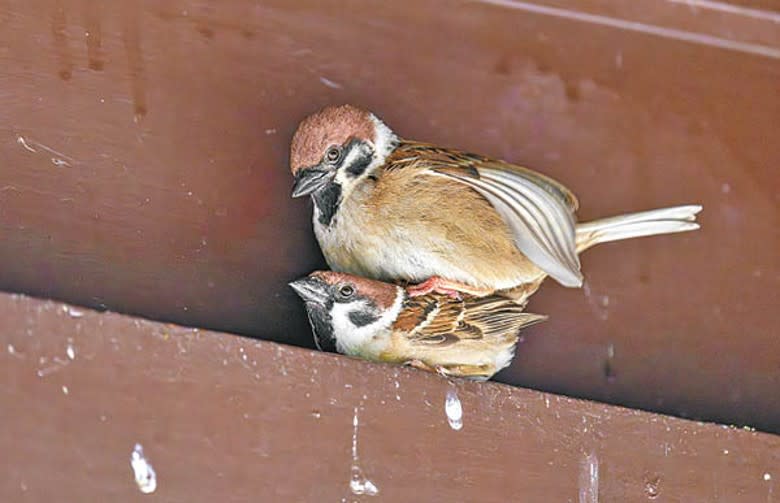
327	201
322	327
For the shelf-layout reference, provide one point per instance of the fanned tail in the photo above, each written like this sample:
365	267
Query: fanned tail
634	225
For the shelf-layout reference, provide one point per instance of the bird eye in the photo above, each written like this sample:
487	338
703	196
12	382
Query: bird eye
346	291
333	155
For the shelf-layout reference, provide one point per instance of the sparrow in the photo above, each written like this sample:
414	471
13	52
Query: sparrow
449	221
472	337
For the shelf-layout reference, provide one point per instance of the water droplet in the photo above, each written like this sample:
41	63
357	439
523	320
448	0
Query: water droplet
359	484
65	390
767	476
454	410
73	312
145	477
652	487
589	479
71	352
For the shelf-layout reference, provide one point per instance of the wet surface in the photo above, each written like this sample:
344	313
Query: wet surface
143	155
192	415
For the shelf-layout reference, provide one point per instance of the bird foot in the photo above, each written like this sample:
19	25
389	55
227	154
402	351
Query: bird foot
454	289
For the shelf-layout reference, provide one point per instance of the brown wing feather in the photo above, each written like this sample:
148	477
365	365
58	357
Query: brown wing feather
538	210
440	320
409	153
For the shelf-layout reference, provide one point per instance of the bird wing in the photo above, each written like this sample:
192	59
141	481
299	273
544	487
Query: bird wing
439	320
538	210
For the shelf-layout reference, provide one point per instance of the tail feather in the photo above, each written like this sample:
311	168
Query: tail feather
634	225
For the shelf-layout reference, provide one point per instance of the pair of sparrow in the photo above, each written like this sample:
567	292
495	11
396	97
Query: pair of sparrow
470	237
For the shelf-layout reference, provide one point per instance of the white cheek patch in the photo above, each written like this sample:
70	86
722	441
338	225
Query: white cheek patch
351	339
384	142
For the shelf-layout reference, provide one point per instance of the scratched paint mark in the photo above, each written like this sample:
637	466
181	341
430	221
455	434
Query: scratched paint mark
93	12
58	158
731	9
131	38
330	83
56	364
60	38
635	26
21	141
589	479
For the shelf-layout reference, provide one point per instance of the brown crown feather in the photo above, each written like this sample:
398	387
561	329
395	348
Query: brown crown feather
333	125
383	294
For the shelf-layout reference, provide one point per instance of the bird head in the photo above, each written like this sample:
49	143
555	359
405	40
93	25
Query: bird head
347	312
335	149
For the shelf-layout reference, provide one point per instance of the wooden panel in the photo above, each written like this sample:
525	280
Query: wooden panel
143	152
223	418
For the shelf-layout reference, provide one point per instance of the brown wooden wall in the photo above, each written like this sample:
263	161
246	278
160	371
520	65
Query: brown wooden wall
143	150
226	418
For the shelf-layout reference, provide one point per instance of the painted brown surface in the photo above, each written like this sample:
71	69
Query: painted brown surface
224	418
143	153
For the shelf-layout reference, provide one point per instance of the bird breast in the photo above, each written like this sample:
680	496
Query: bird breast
410	226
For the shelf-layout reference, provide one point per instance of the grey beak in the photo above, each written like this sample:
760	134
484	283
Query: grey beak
311	289
310	180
